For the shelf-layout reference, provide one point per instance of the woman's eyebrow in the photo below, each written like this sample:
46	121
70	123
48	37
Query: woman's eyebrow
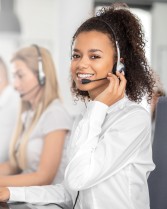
95	50
90	50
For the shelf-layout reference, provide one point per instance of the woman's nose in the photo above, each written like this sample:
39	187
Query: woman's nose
83	63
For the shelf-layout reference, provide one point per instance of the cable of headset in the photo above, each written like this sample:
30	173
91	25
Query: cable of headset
76	200
59	206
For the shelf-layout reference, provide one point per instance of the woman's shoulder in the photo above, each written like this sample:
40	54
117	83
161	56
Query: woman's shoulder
127	110
125	107
55	117
56	106
56	111
132	107
136	113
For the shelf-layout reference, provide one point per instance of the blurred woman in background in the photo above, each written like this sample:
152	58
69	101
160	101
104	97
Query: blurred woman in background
36	151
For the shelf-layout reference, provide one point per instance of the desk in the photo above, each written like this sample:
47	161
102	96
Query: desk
28	206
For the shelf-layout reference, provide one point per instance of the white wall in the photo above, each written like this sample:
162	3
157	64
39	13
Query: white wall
37	19
159	41
8	44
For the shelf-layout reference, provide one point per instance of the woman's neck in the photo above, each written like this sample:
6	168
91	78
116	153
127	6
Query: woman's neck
95	92
36	99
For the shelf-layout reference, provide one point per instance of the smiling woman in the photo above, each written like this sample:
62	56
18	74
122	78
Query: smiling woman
92	59
109	153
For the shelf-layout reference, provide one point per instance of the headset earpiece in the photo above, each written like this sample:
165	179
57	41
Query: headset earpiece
120	67
41	74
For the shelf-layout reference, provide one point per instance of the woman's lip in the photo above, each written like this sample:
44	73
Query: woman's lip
79	79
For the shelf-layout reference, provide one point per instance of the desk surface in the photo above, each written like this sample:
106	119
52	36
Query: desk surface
28	206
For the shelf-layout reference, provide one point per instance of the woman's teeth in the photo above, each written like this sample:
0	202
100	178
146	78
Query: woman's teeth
87	75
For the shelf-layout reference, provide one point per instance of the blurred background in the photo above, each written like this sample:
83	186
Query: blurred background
52	23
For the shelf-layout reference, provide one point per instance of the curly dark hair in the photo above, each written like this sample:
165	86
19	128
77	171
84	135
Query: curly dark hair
129	34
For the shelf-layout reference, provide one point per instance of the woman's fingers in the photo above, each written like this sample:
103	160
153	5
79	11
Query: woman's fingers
4	194
122	80
117	83
122	83
114	91
114	83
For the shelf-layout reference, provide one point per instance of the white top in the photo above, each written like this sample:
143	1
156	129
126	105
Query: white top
9	108
110	160
55	117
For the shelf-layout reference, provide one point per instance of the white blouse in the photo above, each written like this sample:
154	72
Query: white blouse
110	158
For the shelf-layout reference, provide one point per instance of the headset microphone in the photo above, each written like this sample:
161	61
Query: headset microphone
28	92
85	81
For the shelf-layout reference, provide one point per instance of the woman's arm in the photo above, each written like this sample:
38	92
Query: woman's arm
7	169
49	163
44	195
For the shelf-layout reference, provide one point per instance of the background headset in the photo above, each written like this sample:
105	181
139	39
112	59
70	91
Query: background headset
118	66
41	75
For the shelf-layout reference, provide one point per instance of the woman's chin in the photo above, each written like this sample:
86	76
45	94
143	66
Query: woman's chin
83	87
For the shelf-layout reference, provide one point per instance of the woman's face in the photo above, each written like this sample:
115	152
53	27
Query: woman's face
92	58
25	81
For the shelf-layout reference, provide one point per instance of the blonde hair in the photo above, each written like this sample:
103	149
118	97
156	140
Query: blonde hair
29	56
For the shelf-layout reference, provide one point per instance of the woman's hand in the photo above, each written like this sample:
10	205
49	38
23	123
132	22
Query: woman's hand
4	194
115	90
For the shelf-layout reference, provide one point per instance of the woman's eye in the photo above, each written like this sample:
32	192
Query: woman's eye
95	57
75	56
20	76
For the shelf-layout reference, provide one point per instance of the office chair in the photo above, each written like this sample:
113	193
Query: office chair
157	181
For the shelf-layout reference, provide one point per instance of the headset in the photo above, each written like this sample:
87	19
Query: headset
41	75
118	66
